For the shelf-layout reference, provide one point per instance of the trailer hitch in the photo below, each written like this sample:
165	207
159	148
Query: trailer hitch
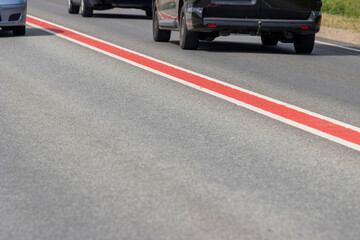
258	33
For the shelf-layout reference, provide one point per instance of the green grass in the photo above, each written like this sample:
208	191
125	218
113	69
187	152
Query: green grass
348	8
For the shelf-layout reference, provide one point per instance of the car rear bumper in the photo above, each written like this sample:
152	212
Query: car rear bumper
196	23
13	15
105	4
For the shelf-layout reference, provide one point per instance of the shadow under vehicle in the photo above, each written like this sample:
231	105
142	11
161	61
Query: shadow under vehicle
86	7
288	21
13	16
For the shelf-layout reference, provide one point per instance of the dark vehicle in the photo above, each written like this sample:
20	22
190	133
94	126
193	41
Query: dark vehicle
289	21
86	7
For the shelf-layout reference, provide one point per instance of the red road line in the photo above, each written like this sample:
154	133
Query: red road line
308	120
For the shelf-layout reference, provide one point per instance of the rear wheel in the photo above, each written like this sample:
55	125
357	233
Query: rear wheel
269	40
188	40
85	11
304	43
19	31
158	34
73	9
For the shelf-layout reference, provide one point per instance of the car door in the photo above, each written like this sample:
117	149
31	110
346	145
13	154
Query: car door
233	9
288	9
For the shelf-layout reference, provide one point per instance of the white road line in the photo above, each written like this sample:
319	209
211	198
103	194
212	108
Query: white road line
338	46
243	104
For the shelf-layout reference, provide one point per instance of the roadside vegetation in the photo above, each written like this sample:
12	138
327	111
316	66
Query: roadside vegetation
344	14
337	21
347	8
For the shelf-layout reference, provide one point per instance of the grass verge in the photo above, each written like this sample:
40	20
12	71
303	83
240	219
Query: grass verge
337	21
348	8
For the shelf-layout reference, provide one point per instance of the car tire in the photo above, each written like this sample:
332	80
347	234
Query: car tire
148	13
188	40
158	34
85	11
73	9
304	43
19	31
269	40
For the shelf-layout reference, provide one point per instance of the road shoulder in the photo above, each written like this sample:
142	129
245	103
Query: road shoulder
341	35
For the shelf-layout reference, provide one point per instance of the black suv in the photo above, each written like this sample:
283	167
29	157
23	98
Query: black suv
86	7
289	21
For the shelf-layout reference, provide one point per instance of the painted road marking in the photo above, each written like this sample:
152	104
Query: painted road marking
317	124
338	46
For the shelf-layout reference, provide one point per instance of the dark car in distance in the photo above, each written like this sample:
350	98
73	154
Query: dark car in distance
86	7
288	21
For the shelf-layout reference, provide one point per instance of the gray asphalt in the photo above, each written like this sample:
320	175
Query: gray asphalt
94	148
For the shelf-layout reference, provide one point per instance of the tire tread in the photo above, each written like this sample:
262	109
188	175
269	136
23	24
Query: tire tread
188	40
158	34
304	44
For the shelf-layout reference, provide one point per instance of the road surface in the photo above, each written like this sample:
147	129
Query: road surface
93	147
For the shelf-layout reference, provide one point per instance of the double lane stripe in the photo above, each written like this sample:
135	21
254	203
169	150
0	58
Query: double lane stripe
325	127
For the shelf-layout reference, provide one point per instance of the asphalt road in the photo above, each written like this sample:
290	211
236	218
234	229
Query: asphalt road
95	148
